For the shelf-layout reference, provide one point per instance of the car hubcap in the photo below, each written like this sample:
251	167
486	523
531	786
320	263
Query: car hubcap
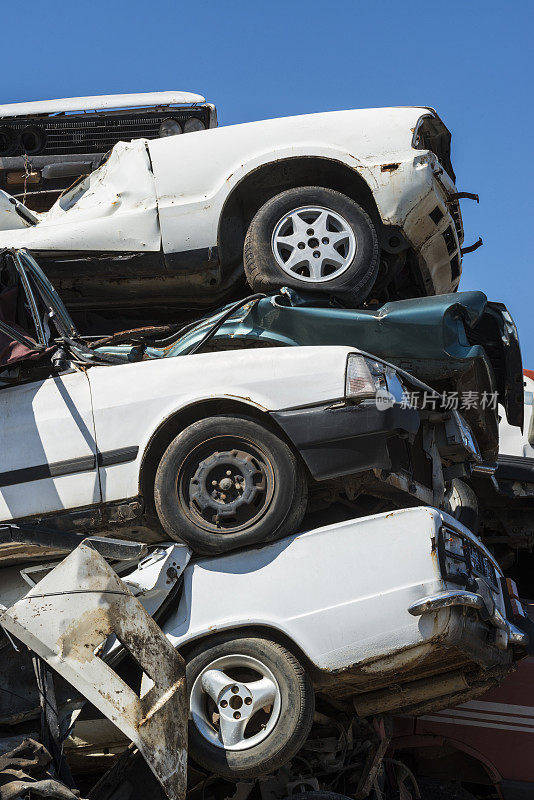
314	244
226	490
235	702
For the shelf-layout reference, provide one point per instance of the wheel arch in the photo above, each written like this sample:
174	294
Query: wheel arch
273	177
257	630
172	425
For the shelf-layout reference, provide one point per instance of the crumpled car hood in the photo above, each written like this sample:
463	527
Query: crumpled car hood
112	209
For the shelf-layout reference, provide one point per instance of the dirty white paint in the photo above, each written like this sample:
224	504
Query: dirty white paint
68	615
340	592
195	175
114	208
512	441
41	423
10	219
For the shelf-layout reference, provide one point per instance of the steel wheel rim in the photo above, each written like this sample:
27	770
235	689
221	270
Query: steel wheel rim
313	244
195	479
213	688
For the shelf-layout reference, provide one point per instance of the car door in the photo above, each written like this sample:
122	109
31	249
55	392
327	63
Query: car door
47	447
47	437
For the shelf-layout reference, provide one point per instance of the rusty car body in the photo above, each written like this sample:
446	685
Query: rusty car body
169	223
435	625
97	427
68	616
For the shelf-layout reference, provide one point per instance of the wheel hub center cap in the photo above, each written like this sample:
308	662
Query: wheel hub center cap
235	702
226	482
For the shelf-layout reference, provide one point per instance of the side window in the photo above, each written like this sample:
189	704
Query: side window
21	331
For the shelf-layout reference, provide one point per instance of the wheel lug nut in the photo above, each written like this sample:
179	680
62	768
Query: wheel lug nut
228	472
237	715
316	254
235	689
325	240
310	231
248	701
224	703
301	245
214	483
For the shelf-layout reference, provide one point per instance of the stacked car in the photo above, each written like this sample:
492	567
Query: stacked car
288	485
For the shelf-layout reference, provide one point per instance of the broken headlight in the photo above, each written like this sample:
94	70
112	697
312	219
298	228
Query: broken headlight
462	561
364	377
454	557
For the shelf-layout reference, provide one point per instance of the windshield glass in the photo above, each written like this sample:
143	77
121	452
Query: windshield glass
56	308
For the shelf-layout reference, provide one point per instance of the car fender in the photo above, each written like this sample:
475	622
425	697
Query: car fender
132	401
320	591
195	175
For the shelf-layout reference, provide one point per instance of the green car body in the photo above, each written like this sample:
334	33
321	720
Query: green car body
456	342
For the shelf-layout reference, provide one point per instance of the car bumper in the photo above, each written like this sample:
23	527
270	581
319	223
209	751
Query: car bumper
345	440
454	598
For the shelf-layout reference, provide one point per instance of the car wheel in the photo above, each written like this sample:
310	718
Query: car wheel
314	240
462	504
251	705
226	482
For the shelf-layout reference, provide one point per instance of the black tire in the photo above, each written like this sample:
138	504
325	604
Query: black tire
462	504
293	722
265	274
274	481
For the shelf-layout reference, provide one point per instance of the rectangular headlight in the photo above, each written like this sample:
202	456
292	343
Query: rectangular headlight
364	377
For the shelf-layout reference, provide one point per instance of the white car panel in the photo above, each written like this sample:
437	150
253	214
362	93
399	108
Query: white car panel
513	442
41	424
99	102
341	592
112	209
132	400
193	177
197	175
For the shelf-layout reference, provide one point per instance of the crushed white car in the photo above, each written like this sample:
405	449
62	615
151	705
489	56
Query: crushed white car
46	144
359	204
399	611
218	452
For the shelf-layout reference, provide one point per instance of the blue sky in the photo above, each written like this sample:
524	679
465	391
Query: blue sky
469	59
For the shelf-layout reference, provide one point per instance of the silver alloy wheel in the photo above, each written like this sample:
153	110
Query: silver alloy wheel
313	243
235	702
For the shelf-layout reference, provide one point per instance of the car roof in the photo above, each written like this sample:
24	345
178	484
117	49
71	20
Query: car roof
100	102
